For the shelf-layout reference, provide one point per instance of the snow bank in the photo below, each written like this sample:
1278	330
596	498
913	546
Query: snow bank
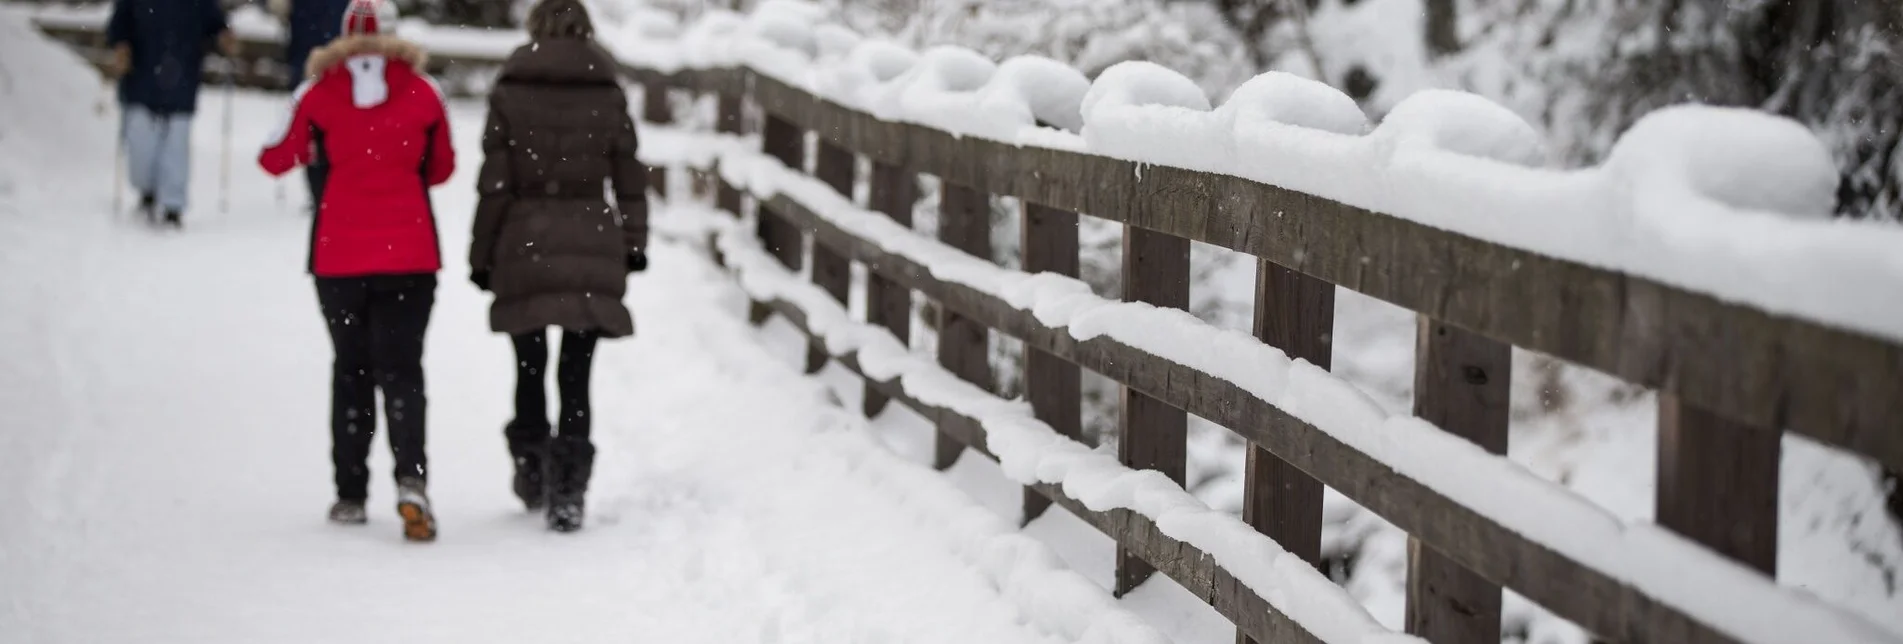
1714	590
53	108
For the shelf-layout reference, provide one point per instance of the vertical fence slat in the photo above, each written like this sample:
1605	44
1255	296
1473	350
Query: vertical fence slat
782	140
1717	482
1294	313
893	191
655	109
1154	435
1053	385
1461	384
964	222
831	270
727	121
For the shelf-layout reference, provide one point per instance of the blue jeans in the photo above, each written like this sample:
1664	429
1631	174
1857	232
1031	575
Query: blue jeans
158	155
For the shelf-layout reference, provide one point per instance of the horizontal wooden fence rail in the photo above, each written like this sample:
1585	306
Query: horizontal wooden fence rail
1730	378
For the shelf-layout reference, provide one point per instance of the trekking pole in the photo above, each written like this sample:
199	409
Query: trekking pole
224	157
118	152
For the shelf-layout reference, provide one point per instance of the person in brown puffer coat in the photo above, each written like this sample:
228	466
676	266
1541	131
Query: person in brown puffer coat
549	243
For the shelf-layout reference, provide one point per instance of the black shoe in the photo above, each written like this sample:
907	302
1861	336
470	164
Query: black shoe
149	208
565	517
528	447
174	219
571	461
345	512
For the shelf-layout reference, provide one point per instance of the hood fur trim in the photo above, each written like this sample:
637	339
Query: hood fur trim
328	56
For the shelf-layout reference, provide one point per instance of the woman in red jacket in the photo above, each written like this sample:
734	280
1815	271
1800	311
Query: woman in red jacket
375	127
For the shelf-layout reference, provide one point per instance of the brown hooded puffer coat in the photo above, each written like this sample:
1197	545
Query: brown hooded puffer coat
555	246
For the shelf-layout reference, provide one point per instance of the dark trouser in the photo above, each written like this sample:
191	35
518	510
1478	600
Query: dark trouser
376	328
571	381
568	456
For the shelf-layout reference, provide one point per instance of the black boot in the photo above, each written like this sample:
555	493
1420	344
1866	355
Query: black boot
528	445
571	460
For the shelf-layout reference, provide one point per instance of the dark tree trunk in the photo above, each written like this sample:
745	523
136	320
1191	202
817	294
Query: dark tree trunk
1443	33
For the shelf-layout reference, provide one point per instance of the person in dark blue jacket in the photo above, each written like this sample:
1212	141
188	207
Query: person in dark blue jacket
311	24
159	49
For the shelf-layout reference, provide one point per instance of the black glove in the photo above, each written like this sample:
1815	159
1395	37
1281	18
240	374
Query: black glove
637	261
480	279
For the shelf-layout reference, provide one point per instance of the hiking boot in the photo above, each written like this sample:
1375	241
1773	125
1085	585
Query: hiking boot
571	461
413	505
346	512
565	516
528	447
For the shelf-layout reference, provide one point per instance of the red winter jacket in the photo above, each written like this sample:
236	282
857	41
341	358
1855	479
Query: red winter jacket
374	130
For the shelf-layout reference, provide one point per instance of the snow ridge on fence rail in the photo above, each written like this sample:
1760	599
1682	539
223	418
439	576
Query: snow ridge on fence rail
1716	591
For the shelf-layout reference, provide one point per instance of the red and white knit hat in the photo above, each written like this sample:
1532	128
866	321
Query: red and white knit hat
368	17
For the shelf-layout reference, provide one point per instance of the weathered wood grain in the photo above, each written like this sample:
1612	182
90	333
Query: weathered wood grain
1152	435
893	192
1294	313
832	272
1461	384
1053	386
1717	483
964	344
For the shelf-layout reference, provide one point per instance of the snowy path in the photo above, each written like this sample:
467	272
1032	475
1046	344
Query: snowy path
164	458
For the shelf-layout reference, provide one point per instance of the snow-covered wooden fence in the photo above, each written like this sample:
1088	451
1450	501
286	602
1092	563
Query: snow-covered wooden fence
1731	377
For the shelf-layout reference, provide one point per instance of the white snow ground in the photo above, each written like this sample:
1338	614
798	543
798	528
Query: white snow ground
164	452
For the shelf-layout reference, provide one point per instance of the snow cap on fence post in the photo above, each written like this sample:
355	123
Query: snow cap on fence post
1144	111
1461	123
1743	159
928	92
1051	91
870	64
708	42
1284	98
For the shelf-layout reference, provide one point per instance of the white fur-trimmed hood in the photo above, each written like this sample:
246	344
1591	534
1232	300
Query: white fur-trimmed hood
334	54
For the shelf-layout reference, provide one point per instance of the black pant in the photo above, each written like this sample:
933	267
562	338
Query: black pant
571	380
376	328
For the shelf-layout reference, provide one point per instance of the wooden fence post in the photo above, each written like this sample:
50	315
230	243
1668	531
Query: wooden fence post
1717	482
1294	313
1462	384
656	110
1155	435
782	140
893	191
1053	385
727	121
831	270
964	345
